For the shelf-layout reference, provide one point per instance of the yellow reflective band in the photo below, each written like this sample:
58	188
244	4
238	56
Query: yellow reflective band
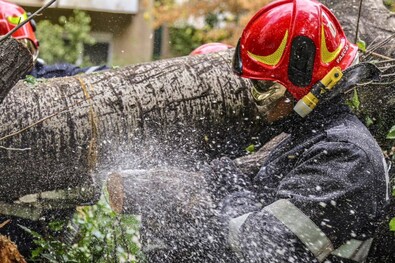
16	20
326	55
273	59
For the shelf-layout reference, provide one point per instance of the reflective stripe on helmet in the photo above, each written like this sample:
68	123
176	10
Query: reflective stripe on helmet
307	232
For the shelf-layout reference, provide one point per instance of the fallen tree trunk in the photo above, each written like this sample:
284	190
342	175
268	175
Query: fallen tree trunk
16	61
57	133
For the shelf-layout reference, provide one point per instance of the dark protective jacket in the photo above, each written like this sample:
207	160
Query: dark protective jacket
41	70
317	197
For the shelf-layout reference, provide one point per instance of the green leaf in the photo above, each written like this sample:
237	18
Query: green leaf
392	224
250	148
355	100
368	121
29	79
391	133
361	45
31	232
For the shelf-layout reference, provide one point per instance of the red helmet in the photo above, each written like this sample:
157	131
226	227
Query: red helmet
210	48
10	16
293	42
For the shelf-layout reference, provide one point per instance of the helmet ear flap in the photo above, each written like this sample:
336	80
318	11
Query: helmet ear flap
301	61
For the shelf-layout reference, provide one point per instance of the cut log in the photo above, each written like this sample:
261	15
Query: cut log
133	191
176	212
138	191
16	61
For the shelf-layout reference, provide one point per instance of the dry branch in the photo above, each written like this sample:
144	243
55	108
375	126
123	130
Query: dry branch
9	252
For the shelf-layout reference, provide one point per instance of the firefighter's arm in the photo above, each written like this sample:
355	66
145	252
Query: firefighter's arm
325	207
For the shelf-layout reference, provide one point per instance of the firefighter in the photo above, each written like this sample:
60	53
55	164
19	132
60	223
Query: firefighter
10	16
319	194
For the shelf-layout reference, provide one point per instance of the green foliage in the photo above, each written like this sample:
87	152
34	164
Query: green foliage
354	102
361	45
64	42
368	121
184	40
390	4
392	224
391	133
29	79
250	148
103	236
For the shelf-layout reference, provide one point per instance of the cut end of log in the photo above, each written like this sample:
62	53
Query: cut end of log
9	252
116	192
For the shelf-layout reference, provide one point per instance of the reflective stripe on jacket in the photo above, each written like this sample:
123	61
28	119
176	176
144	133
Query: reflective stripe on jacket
307	232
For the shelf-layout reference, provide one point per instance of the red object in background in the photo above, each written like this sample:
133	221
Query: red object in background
10	16
210	48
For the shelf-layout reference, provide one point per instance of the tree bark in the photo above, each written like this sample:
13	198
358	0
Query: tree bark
376	21
58	133
16	61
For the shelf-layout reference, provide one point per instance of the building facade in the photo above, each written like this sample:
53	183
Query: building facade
123	31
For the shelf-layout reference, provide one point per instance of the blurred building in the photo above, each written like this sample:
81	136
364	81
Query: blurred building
123	33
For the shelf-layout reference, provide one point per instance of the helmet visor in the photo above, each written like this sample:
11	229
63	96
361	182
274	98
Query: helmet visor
237	64
266	93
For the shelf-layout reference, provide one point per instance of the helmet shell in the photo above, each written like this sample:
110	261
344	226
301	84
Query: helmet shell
10	16
210	48
293	42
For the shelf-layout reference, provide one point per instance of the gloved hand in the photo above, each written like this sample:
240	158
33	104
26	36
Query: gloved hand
223	177
238	203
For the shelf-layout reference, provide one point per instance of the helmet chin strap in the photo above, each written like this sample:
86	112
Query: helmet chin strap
336	82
